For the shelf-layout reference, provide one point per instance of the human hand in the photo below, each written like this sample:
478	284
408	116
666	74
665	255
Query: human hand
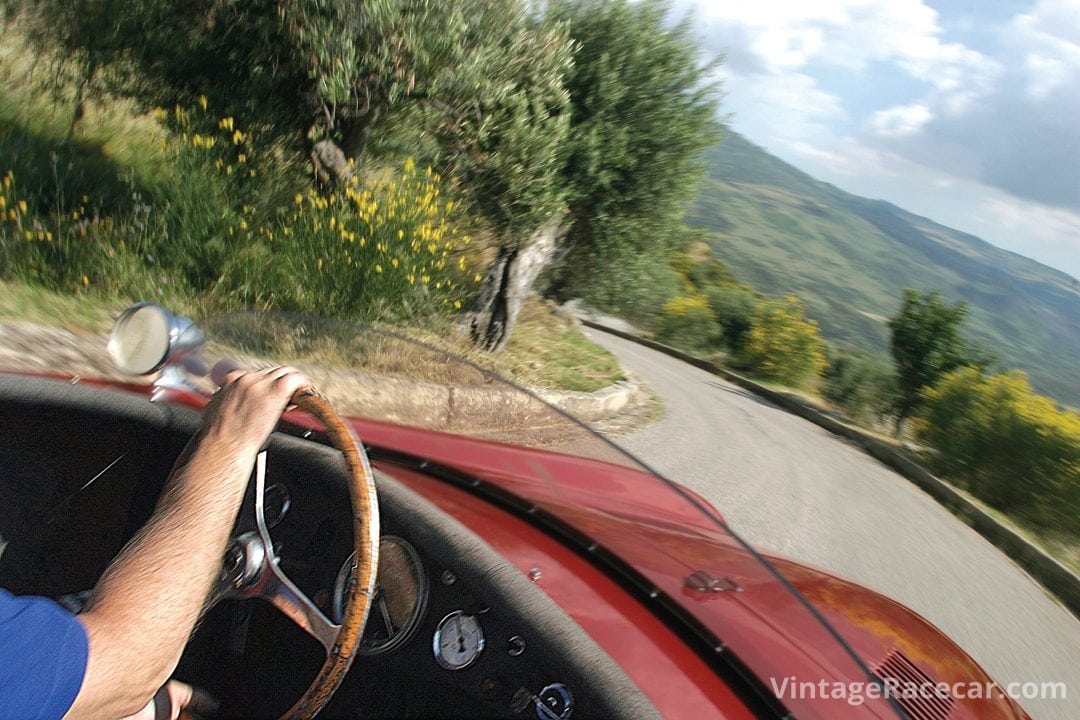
246	409
176	701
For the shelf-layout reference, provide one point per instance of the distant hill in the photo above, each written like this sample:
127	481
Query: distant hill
850	258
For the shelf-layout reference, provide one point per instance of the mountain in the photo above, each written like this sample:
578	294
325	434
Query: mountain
850	258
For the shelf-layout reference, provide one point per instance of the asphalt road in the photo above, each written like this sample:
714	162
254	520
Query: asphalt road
788	486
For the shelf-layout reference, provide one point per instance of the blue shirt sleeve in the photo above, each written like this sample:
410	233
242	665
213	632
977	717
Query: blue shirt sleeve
43	655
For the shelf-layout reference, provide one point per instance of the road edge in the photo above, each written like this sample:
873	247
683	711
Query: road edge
1051	574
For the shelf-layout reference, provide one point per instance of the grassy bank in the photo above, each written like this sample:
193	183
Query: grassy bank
186	208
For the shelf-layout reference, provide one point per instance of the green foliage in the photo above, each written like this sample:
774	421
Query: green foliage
733	307
687	322
634	286
643	110
505	141
863	386
233	229
784	344
478	75
1010	447
926	344
387	252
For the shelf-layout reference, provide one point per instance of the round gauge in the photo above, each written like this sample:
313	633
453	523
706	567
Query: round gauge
400	598
458	640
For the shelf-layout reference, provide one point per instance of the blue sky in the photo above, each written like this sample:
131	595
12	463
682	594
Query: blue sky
967	112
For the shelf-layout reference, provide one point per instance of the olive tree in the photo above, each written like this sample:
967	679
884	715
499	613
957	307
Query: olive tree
926	345
643	109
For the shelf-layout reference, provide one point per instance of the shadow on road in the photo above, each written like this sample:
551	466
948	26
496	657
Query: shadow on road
731	390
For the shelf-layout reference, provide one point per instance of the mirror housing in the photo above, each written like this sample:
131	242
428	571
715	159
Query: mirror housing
147	337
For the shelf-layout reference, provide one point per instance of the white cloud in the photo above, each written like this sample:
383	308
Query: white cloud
901	120
811	81
1049	234
788	35
1049	36
788	108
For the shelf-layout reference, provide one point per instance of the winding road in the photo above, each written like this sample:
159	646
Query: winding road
791	487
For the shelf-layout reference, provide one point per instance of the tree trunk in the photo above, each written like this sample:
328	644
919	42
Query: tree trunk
507	284
356	131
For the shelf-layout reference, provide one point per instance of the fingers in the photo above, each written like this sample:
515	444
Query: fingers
278	379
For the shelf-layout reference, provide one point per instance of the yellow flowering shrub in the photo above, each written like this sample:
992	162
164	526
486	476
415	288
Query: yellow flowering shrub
386	250
1008	445
783	344
687	321
240	224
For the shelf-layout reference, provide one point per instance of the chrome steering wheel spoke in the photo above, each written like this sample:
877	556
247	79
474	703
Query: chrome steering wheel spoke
283	594
252	571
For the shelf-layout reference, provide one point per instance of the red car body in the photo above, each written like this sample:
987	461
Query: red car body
647	571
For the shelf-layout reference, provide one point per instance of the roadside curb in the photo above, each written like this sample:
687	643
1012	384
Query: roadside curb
1053	575
453	406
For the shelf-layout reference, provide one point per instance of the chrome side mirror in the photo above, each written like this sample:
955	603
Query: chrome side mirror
147	338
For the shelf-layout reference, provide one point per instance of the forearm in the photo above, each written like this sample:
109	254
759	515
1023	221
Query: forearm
160	582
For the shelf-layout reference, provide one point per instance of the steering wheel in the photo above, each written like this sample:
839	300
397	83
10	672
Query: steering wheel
252	571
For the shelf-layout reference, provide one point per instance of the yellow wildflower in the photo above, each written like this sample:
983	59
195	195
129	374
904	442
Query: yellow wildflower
410	164
22	206
394	262
378	268
202	102
457	304
241	158
3	202
85	280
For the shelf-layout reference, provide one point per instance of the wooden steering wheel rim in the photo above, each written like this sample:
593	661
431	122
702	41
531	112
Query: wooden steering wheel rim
365	522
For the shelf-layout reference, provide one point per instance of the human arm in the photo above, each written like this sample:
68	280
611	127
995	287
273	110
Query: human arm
147	602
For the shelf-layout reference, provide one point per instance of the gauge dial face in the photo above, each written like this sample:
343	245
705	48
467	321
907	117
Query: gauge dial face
400	598
458	641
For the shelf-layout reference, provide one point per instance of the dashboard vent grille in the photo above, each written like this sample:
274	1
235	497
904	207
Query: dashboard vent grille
912	689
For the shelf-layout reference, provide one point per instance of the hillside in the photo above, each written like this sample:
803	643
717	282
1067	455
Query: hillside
850	258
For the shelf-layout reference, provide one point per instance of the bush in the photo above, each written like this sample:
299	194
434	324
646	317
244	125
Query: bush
228	225
687	322
1010	447
863	386
388	251
783	344
733	308
630	285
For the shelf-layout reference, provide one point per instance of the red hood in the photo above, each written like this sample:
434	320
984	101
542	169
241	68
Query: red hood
666	534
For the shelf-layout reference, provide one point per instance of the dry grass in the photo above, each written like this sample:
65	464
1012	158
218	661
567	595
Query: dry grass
545	352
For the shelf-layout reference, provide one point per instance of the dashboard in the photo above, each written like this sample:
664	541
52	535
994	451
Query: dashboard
439	641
